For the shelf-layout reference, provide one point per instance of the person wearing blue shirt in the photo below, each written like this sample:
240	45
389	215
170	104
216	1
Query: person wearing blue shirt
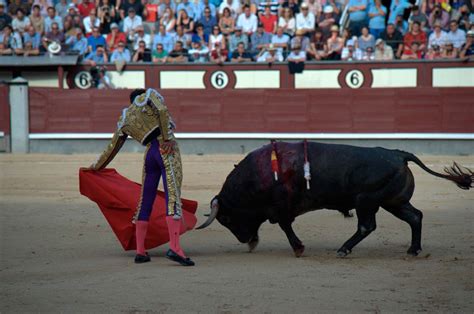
52	18
95	39
396	8
357	15
167	40
121	53
208	21
77	43
377	13
202	6
189	7
96	57
32	36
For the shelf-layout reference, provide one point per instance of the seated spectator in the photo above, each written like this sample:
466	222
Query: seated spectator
281	40
55	35
29	50
377	14
219	54
200	35
121	53
208	21
401	25
394	39
184	38
351	52
131	21
412	52
293	6
159	55
5	18
449	52
240	55
98	56
305	21
368	54
138	35
318	48
14	5
314	7
33	37
198	52
269	21
327	20
346	35
366	39
150	15
72	11
52	18
383	52
142	54
61	8
420	17
438	15
36	19
20	23
357	15
69	27
44	5
168	20
301	40
207	4
438	37
334	44
189	8
125	7
178	54
96	39
468	50
115	37
91	21
434	53
78	42
10	41
238	37
185	21
297	55
455	35
247	21
397	8
107	16
233	6
227	23
415	35
259	40
465	16
166	4
269	55
287	22
216	38
85	7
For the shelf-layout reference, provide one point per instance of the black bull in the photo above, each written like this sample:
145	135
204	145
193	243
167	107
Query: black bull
343	177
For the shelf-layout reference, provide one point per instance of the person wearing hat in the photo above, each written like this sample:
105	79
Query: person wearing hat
114	37
438	36
247	21
238	37
377	15
357	15
139	35
334	44
296	55
300	40
131	21
468	49
383	52
269	55
305	21
439	15
397	7
260	39
326	20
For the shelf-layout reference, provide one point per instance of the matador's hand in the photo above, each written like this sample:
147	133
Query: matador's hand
167	147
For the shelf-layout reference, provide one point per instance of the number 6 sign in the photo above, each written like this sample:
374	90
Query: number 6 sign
354	79
219	79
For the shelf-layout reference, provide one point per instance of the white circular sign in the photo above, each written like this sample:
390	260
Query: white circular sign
354	79
219	79
83	80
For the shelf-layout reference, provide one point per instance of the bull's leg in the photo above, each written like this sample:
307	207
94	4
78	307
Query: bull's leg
413	217
366	224
295	243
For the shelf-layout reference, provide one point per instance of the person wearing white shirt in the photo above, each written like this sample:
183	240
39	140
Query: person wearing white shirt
131	21
233	5
247	21
350	52
91	21
21	22
270	55
297	55
438	37
305	20
139	35
456	36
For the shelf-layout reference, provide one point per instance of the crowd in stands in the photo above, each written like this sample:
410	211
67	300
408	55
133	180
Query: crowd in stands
217	31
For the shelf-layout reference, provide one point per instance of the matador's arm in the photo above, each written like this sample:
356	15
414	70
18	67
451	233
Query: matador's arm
109	153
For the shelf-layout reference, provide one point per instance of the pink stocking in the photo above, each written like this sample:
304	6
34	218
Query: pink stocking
141	228
174	227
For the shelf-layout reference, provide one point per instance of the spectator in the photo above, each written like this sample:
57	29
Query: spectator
297	55
412	52
33	37
233	6
318	48
91	21
121	53
179	54
280	40
100	78
334	44
292	5
189	8
185	39
301	40
314	7
418	36
36	19
201	36
168	20
434	53
219	54
368	54
10	42
377	14
52	18
164	38
247	21
62	8
336	6
394	39
305	21
383	52
240	55
150	14
107	15
18	4
78	42
69	27
138	36
142	54
366	39
468	50
420	17
131	21
203	5
198	53
397	7
351	52
216	39
227	22
55	35
287	21
357	15
43	5
327	20
438	15
72	11
438	37
465	16
166	4
136	5
269	21
272	4
346	35
269	55
450	51
401	25
455	35
85	8
20	23
428	6
99	56
208	21
159	55
238	37
185	21
114	37
259	40
96	39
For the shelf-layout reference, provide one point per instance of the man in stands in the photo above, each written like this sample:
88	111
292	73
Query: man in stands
357	15
55	35
269	55
121	53
259	39
240	55
52	18
10	42
178	54
305	21
142	54
99	56
281	40
208	21
238	37
383	52
269	20
96	39
455	35
394	39
199	53
114	37
167	40
247	21
468	50
78	42
136	5
85	7
20	23
139	35
131	21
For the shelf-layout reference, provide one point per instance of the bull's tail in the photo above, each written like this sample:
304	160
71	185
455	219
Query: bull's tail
461	176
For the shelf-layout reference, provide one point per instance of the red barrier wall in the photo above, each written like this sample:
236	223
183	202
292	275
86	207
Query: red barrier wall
4	110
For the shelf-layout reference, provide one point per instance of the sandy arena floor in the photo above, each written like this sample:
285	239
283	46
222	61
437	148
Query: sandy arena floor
58	253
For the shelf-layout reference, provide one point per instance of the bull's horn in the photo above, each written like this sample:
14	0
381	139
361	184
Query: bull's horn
212	215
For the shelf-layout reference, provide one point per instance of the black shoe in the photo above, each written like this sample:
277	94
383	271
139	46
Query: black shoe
179	259
139	259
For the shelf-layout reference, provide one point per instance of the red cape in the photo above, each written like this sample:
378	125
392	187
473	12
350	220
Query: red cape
118	197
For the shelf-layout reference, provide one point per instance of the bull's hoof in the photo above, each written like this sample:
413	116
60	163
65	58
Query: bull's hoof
252	245
299	251
343	252
414	251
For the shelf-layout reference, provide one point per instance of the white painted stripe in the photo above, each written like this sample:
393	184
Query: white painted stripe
393	78
182	79
257	79
127	79
2	134
317	79
41	79
331	136
453	77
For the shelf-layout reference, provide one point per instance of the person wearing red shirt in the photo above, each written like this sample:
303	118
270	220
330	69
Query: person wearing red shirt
269	20
114	37
85	8
415	35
